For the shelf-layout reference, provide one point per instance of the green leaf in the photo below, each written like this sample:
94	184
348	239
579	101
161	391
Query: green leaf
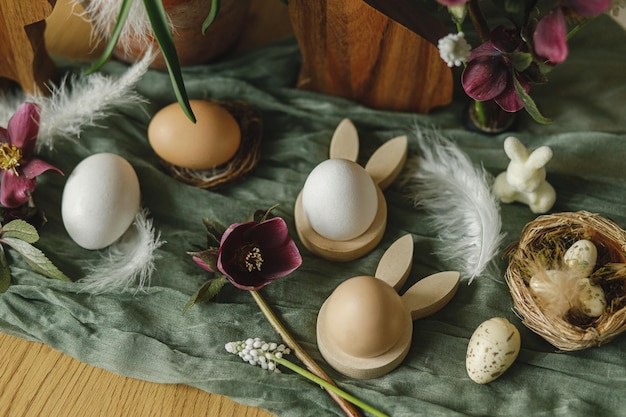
20	229
529	104
521	60
114	38
158	20
215	8
514	6
5	272
36	259
208	256
262	215
214	230
206	292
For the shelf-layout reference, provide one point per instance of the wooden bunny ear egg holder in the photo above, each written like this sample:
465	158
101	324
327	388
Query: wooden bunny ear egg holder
366	334
383	167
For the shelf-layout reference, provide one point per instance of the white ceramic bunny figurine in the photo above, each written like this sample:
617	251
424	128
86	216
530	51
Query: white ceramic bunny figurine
525	178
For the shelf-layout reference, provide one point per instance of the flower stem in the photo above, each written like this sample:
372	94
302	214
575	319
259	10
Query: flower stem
301	354
481	116
328	386
478	20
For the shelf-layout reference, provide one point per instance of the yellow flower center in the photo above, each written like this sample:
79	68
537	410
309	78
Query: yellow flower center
10	156
253	259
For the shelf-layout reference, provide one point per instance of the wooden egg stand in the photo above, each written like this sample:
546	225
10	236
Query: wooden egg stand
384	166
424	298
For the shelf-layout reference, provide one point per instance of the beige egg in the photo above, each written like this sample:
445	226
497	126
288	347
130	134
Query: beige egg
492	349
365	317
212	141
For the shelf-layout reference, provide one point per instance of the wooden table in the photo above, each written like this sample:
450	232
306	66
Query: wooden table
36	380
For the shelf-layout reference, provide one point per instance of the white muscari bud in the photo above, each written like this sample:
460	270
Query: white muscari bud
454	49
257	352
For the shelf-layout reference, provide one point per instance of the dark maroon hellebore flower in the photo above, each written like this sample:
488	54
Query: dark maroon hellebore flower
253	254
489	72
18	167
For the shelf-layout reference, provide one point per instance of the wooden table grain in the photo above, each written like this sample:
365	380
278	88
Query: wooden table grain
36	380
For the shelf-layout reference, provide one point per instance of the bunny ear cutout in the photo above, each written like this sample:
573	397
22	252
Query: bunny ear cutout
385	164
431	294
345	142
395	265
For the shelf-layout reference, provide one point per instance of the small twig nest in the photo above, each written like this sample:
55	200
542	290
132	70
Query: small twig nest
240	164
542	240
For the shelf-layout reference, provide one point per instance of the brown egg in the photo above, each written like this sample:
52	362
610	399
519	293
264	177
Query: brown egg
212	141
364	317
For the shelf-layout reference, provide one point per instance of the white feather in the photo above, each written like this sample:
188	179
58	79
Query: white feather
128	263
80	101
459	202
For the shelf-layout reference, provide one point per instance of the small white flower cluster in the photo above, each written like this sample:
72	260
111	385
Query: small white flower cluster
454	49
257	352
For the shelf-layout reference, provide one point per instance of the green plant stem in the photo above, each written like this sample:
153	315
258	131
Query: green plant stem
576	28
301	354
478	20
328	386
479	108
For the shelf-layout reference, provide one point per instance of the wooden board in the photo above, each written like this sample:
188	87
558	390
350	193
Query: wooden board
350	49
22	48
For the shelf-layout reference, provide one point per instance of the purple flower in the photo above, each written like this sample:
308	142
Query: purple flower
489	72
18	167
253	254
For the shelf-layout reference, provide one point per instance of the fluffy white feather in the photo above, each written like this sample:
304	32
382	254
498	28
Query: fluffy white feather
80	101
459	203
128	263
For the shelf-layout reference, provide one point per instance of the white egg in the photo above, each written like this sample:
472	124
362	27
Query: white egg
581	257
339	199
492	349
100	200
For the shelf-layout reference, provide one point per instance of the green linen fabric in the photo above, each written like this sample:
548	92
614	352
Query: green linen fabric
144	335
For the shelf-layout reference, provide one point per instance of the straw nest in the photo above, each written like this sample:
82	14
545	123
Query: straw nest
543	240
240	164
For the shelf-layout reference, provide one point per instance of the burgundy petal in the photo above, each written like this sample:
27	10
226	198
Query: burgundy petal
505	39
550	37
202	264
587	8
14	188
36	167
271	233
486	49
23	127
484	79
508	100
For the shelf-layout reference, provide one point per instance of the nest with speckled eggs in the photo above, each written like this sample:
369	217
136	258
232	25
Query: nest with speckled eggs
541	241
244	160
